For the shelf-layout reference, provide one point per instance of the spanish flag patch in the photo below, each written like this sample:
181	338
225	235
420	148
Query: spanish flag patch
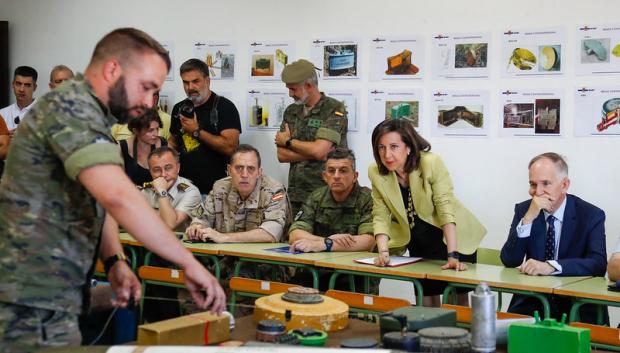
277	197
339	113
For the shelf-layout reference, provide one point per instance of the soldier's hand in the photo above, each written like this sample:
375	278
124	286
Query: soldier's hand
12	132
343	240
214	235
198	281
309	245
283	136
193	231
124	283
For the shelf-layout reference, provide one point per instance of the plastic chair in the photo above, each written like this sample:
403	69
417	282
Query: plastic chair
253	288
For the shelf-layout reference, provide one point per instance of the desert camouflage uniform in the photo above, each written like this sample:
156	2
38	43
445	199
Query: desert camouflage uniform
327	120
50	225
322	216
184	197
267	208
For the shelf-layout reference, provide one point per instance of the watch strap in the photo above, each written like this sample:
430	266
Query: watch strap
328	244
110	261
454	254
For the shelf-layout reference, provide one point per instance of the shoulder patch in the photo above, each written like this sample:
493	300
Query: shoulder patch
277	197
337	113
298	215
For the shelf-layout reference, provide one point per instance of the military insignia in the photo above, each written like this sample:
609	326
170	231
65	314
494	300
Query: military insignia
277	197
182	187
339	113
298	215
314	123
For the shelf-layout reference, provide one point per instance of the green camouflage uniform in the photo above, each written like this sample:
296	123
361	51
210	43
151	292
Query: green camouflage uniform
184	197
50	225
321	215
267	208
327	120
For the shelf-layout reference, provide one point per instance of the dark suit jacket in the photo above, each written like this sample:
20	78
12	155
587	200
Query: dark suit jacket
582	249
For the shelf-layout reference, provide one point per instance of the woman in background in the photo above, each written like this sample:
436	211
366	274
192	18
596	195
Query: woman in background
136	149
415	208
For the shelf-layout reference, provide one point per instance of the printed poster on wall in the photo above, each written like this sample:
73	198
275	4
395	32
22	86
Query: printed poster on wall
597	111
268	58
461	55
350	99
169	46
338	59
166	100
397	58
460	113
531	52
266	108
219	56
405	103
531	112
598	50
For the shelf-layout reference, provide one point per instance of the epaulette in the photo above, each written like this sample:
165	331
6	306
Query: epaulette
182	187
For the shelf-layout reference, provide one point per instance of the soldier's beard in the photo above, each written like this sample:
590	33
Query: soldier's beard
118	101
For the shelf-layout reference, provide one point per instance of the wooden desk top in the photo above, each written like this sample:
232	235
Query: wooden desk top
502	277
257	251
419	269
592	288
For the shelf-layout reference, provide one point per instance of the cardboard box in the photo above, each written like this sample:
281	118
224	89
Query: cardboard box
196	329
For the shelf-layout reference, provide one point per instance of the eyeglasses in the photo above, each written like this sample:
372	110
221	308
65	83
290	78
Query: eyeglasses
16	120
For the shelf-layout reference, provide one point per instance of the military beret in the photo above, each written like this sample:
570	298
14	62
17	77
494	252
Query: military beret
297	71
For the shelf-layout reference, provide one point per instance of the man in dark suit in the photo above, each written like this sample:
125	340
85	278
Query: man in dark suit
557	233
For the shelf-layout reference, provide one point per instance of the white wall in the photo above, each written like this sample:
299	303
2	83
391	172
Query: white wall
490	174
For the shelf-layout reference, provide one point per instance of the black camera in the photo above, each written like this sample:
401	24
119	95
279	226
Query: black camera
186	108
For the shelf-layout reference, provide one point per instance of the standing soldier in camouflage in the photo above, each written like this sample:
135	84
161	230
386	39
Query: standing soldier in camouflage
312	126
53	219
336	217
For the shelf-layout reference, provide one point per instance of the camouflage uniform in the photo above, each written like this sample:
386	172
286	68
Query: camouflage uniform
327	120
184	197
322	216
50	225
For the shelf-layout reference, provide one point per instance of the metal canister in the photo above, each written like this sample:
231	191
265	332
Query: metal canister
483	319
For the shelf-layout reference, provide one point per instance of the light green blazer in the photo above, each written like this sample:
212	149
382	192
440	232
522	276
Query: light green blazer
433	200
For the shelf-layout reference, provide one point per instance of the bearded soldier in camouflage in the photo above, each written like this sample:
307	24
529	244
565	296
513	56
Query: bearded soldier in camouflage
64	172
312	126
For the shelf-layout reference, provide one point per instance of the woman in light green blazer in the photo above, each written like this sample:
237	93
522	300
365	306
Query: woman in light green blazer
414	206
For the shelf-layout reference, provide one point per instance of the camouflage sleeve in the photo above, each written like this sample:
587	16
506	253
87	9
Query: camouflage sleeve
365	226
190	201
304	219
205	214
334	126
275	214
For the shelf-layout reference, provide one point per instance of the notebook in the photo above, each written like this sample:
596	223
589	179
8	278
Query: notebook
395	261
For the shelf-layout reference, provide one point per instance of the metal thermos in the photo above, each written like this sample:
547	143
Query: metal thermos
483	319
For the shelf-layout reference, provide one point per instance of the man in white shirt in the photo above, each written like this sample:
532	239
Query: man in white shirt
24	85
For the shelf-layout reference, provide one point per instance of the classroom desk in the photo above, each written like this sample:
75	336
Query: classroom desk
411	273
256	253
589	291
503	279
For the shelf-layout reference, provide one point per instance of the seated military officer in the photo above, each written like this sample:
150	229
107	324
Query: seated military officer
174	196
336	217
245	207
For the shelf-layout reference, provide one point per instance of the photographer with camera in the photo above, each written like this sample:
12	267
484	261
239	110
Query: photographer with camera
205	128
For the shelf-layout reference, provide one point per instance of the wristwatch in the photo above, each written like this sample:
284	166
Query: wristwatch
196	133
454	255
328	244
161	194
288	143
110	261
